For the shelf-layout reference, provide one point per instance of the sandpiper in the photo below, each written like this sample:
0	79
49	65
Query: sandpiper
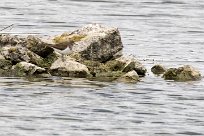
64	48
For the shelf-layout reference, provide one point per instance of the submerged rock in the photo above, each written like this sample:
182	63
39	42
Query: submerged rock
27	69
68	68
158	69
130	77
185	73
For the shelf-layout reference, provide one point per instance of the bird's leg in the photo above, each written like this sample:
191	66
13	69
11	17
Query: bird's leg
63	57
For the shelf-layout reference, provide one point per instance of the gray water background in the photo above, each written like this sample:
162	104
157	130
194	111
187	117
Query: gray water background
168	32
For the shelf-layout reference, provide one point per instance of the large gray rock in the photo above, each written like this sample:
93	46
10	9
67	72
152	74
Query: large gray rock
185	73
68	68
130	77
94	42
27	69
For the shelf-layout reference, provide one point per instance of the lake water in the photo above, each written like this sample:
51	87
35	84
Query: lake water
168	32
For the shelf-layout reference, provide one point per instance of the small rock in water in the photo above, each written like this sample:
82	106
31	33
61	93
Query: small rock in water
130	77
158	69
185	73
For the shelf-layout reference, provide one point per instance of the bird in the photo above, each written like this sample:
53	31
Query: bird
64	48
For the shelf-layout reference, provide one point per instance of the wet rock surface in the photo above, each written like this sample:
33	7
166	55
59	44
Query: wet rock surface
185	73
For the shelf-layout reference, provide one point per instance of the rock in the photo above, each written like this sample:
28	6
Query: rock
17	54
39	47
68	68
6	39
5	67
27	69
107	76
5	64
158	69
130	63
114	68
185	73
94	42
130	77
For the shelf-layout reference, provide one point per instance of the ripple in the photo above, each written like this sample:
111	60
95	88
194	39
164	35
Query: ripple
189	133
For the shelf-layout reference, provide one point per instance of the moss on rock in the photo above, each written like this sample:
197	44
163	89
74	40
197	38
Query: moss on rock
68	37
185	73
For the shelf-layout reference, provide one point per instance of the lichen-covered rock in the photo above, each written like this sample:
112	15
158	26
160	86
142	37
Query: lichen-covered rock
130	77
158	69
39	47
27	69
68	68
94	42
185	73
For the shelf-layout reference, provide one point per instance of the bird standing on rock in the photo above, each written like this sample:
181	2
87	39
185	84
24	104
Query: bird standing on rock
64	48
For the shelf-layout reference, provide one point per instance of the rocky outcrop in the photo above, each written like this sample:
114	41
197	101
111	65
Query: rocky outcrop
68	68
158	69
96	55
130	77
185	73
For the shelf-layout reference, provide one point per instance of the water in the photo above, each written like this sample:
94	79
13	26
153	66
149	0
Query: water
169	32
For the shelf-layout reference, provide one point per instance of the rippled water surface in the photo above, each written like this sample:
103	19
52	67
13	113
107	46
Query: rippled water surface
169	32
